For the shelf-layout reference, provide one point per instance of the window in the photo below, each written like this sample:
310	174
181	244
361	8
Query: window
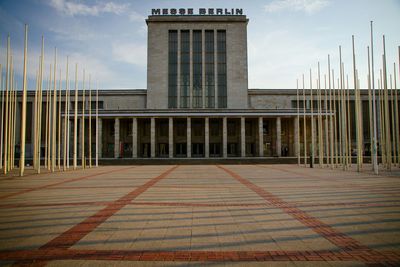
172	68
197	69
215	128
185	68
209	68
163	129
231	128
221	57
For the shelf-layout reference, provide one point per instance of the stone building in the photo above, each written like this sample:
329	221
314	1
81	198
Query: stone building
197	103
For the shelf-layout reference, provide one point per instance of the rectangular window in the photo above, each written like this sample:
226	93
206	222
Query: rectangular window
185	68
209	68
221	57
197	69
172	68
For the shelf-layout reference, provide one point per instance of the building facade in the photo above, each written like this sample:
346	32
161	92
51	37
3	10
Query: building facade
197	103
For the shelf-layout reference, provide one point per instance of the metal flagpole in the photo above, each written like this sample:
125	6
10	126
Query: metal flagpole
2	116
97	124
5	164
83	122
319	108
304	124
392	115
90	122
386	105
59	124
39	141
331	137
54	114
371	116
374	132
65	120
312	121
356	109
396	116
298	123
75	117
23	120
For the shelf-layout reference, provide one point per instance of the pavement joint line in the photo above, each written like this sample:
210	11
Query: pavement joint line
42	257
28	190
80	230
337	238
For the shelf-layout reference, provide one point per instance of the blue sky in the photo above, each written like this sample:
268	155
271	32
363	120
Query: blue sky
285	37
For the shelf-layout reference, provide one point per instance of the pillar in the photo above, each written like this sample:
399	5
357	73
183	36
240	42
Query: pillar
171	137
242	137
100	134
116	138
296	137
134	138
189	138
207	137
153	137
260	137
278	137
224	137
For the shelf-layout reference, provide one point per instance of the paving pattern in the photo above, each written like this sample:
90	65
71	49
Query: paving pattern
201	215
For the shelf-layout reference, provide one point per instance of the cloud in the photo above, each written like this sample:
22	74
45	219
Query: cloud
131	53
308	6
72	8
136	17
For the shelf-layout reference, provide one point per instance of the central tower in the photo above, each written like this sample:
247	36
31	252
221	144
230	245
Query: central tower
197	62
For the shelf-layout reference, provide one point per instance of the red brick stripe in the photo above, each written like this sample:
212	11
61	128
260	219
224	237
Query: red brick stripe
77	232
337	238
43	255
62	182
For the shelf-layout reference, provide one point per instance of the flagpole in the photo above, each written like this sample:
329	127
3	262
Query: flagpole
83	122
65	120
304	124
75	117
97	124
5	169
54	114
90	122
23	120
298	123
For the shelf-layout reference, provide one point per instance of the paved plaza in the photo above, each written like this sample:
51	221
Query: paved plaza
201	215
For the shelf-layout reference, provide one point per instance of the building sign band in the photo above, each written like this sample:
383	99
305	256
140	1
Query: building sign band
200	11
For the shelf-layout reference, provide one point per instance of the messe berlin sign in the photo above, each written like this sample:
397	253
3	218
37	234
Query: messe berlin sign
200	11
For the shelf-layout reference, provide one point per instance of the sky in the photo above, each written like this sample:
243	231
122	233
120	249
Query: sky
286	38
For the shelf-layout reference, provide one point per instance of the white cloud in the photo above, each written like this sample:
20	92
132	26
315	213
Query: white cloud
131	53
308	6
72	8
134	16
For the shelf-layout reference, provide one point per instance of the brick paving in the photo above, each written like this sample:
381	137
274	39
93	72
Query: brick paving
201	215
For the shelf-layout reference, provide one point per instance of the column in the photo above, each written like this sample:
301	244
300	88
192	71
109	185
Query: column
260	137
134	137
116	138
178	89
296	137
224	137
203	67
153	137
171	137
207	137
100	134
242	137
189	138
278	137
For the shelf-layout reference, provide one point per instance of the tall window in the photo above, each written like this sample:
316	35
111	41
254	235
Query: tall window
172	68
197	69
185	68
209	68
221	57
